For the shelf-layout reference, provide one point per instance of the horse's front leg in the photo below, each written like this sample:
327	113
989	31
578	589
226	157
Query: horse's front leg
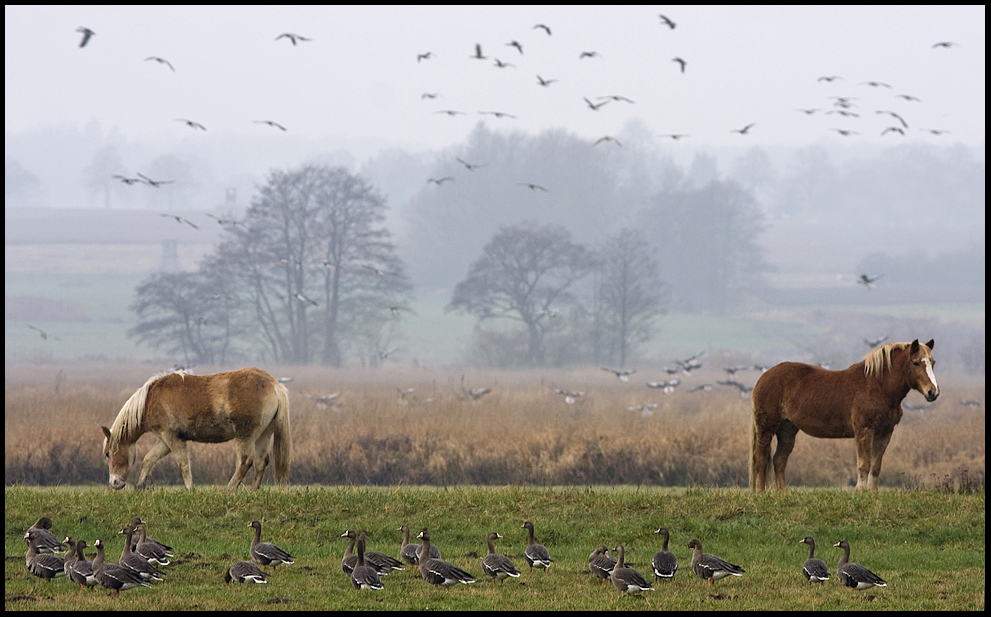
864	438
786	443
157	453
877	452
178	447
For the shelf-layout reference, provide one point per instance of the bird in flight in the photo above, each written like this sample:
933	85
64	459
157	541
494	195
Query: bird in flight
829	78
377	271
843	112
161	60
569	396
87	34
681	62
895	116
808	112
595	106
616	97
545	82
845	133
843	101
868	281
44	334
126	180
271	123
545	28
675	136
589	54
892	129
292	37
909	97
181	220
498	114
515	44
622	375
944	44
302	298
154	183
191	124
440	181
874	84
667	22
935	131
221	221
450	112
500	64
470	166
478	53
607	138
429	95
872	343
324	400
425	56
744	130
533	187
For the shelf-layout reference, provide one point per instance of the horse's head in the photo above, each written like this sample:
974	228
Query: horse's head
920	372
120	458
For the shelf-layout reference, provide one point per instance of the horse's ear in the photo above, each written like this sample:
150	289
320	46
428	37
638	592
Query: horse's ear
106	431
931	344
914	349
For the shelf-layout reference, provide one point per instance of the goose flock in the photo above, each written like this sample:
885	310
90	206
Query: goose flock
142	557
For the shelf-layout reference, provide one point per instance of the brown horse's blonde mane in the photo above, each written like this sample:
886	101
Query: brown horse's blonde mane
129	419
878	359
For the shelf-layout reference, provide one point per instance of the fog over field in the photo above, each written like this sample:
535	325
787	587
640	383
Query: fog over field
150	163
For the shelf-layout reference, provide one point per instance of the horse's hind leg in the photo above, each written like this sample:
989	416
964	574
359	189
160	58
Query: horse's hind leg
261	457
159	451
760	453
786	443
244	461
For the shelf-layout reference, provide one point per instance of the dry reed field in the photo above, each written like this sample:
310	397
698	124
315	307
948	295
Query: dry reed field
521	433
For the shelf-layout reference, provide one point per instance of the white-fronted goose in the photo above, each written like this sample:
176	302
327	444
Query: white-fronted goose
266	553
710	567
665	564
364	576
47	542
134	561
113	576
814	570
79	569
536	555
410	552
497	566
626	579
383	564
244	572
854	575
437	571
155	552
600	564
42	565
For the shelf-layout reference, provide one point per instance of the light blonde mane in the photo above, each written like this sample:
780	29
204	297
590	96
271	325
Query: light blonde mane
878	359
129	419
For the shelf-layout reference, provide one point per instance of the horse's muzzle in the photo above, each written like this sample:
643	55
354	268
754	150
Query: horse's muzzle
117	483
931	395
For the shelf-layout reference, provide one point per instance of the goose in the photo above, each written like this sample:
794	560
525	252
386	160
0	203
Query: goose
744	130
854	575
497	566
680	62
424	56
497	114
710	567
410	552
829	78
126	180
515	44
944	44
161	60
436	571
382	563
244	572
191	123
611	139
548	31
271	123
544	82
266	553
77	567
675	136
595	106
625	579
532	186
87	34
622	374
617	98
868	281
665	564
157	184
292	37
478	53
600	564
569	395
440	181
500	64
47	542
814	570
113	576
155	552
470	166
536	555
135	561
667	22
42	565
364	576
589	54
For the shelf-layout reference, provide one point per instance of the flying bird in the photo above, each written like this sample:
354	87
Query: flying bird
829	78
545	82
874	84
667	386
500	64
808	112
515	44
892	129
589	54
569	396
181	220
622	375
44	334
429	95
546	29
744	130
498	114
844	113
872	343
675	136
935	131
191	124
895	116
126	180
425	56
533	187
595	106
161	60
471	166
154	183
221	221
377	271
292	37
440	181
302	298
744	390
87	34
909	97
845	133
271	123
324	400
944	44
667	22
450	112
607	138
478	53
615	97
868	281
681	62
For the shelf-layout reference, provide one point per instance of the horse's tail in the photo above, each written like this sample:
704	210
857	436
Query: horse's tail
760	456
282	438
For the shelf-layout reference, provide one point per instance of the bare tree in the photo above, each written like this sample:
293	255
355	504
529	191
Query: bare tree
524	274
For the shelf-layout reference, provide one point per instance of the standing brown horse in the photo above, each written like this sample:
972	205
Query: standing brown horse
247	405
863	402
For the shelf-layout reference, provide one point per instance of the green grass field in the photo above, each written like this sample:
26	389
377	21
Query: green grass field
928	545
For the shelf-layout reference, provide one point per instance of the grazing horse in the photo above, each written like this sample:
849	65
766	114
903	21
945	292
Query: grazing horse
247	405
862	402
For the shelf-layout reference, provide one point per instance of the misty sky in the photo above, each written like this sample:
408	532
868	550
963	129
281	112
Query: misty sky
359	78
